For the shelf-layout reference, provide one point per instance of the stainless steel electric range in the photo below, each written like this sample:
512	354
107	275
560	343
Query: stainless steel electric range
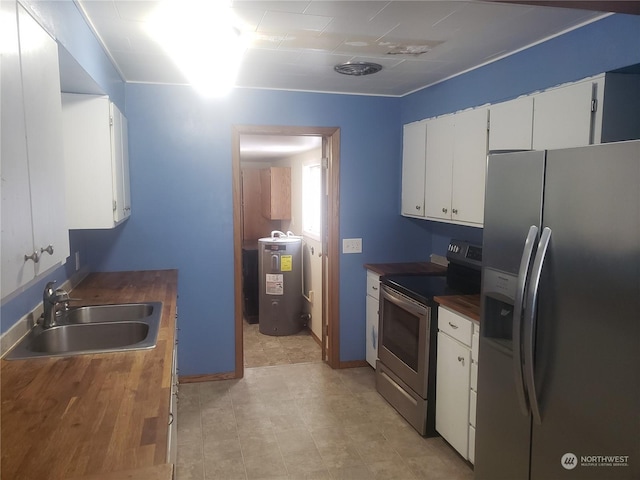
406	366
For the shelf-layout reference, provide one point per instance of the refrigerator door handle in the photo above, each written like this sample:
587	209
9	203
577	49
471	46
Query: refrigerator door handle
523	274
530	322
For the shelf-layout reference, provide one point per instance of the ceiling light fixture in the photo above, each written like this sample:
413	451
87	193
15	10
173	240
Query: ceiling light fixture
357	68
203	39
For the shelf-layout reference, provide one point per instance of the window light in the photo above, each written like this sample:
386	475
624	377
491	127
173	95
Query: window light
203	39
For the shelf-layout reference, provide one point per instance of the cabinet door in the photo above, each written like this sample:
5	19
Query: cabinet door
413	168
511	125
439	167
452	392
275	184
120	164
469	166
372	330
17	239
562	117
43	119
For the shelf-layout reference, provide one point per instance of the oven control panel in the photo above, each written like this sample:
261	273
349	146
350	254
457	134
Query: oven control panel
463	252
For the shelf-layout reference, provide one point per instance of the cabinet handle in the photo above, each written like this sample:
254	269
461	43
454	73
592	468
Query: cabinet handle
444	210
49	250
35	256
454	211
461	360
453	325
170	418
374	288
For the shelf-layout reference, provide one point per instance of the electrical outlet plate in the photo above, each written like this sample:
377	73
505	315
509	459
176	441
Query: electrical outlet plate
351	245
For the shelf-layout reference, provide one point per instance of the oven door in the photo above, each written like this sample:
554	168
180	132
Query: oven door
404	334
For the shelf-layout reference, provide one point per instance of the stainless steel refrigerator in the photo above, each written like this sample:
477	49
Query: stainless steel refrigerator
559	355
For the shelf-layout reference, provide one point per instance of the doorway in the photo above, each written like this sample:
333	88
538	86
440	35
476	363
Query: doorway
330	138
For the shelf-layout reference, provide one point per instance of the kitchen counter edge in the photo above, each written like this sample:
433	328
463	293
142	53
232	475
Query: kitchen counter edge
91	416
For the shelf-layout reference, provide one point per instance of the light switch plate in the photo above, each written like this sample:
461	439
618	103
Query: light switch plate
351	245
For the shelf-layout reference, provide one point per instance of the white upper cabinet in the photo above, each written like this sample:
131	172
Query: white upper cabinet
413	166
439	168
456	156
34	230
511	125
443	172
596	110
469	167
96	162
562	117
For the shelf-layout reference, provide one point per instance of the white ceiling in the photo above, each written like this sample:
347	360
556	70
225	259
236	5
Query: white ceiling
297	43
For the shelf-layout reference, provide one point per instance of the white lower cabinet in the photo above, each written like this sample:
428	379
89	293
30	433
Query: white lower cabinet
455	398
373	302
473	391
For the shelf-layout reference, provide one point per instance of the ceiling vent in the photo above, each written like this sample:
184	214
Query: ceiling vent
357	68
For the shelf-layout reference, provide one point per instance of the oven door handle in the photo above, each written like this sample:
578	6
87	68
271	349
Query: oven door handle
404	302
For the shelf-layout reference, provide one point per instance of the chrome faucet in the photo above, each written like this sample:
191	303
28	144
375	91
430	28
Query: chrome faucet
51	298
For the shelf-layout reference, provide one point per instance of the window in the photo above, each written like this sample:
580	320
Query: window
311	196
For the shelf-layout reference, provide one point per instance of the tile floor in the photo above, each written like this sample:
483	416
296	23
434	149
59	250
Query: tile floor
262	350
303	421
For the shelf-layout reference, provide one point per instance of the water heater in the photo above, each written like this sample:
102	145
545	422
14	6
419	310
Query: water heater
280	272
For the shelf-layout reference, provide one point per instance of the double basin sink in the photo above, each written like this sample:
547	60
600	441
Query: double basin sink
93	329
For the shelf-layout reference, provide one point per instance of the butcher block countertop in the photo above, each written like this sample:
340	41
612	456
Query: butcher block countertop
408	268
468	305
94	415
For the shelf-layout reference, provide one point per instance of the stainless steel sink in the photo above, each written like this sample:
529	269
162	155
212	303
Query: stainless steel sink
94	329
108	313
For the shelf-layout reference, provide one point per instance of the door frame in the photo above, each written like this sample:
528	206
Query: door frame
331	307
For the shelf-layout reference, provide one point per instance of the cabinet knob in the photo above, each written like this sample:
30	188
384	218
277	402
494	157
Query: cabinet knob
444	210
461	360
49	250
35	256
454	211
418	207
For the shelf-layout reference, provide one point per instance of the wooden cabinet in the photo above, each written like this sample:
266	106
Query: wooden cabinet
455	381
456	156
372	308
34	228
96	162
511	125
414	139
254	224
275	185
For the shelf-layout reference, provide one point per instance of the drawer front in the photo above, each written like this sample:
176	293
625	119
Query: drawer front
455	325
373	284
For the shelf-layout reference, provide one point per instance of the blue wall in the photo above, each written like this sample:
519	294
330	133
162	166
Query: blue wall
180	154
180	160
